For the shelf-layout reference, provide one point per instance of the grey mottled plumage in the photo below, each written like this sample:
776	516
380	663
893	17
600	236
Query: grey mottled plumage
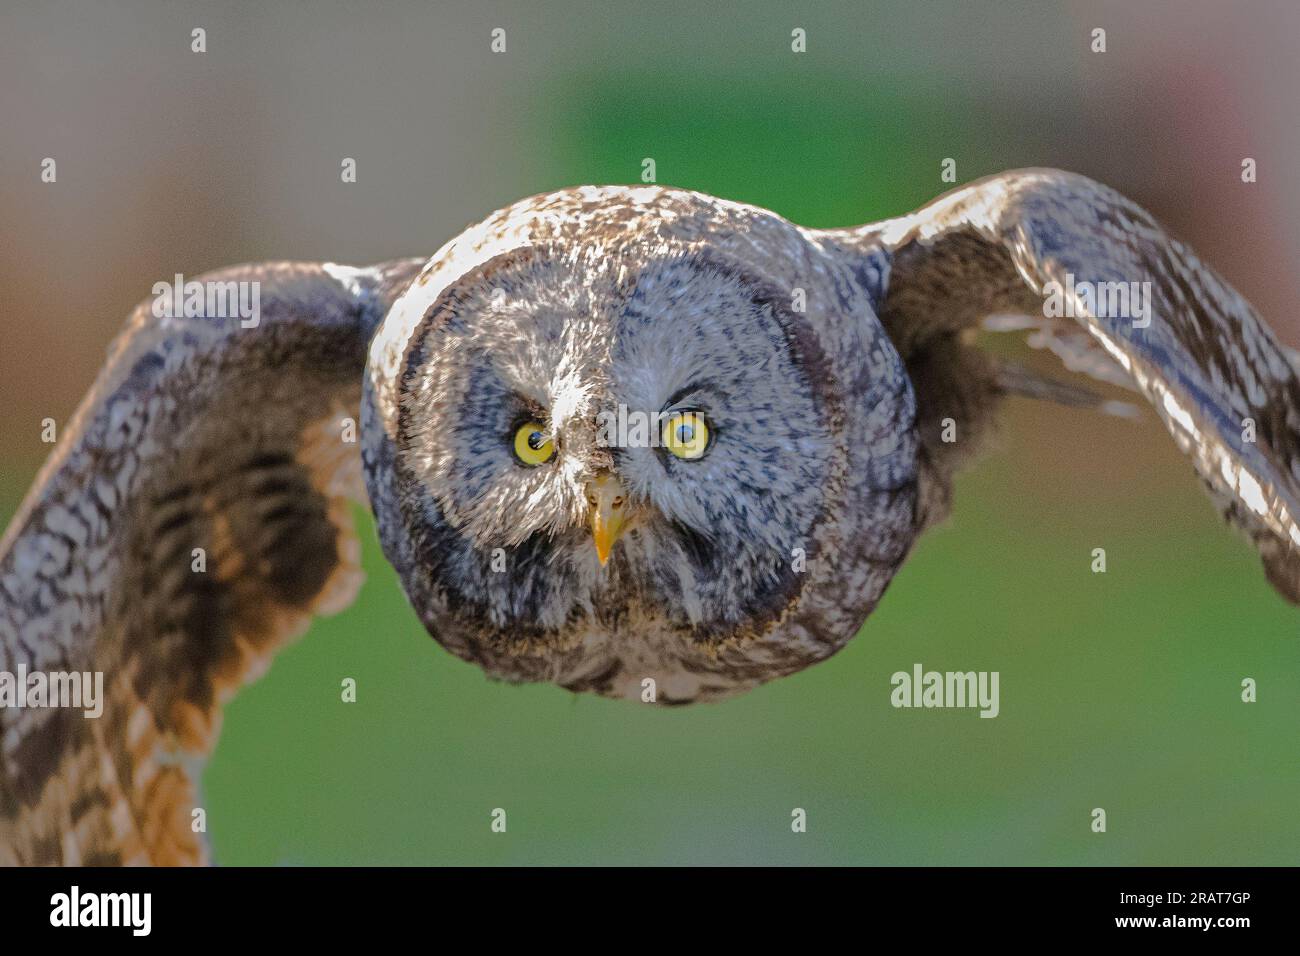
825	446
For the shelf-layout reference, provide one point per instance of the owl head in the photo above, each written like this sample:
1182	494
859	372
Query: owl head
607	453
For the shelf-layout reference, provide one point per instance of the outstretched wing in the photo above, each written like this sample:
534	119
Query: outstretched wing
1138	307
191	519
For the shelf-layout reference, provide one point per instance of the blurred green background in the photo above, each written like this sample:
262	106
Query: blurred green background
1119	691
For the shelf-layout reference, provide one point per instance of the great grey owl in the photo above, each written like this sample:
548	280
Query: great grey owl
609	435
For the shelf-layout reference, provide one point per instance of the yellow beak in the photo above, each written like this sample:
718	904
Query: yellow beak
608	502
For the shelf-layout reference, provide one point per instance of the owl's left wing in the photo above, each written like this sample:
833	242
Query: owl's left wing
192	518
1114	296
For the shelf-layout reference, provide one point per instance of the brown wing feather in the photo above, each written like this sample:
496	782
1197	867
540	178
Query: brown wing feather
1206	362
199	434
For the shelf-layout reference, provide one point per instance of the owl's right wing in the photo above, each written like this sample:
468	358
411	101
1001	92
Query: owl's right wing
191	519
1025	242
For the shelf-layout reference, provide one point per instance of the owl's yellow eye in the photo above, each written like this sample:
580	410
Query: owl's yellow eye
686	435
531	444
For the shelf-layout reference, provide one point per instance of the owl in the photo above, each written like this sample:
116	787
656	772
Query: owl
636	441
